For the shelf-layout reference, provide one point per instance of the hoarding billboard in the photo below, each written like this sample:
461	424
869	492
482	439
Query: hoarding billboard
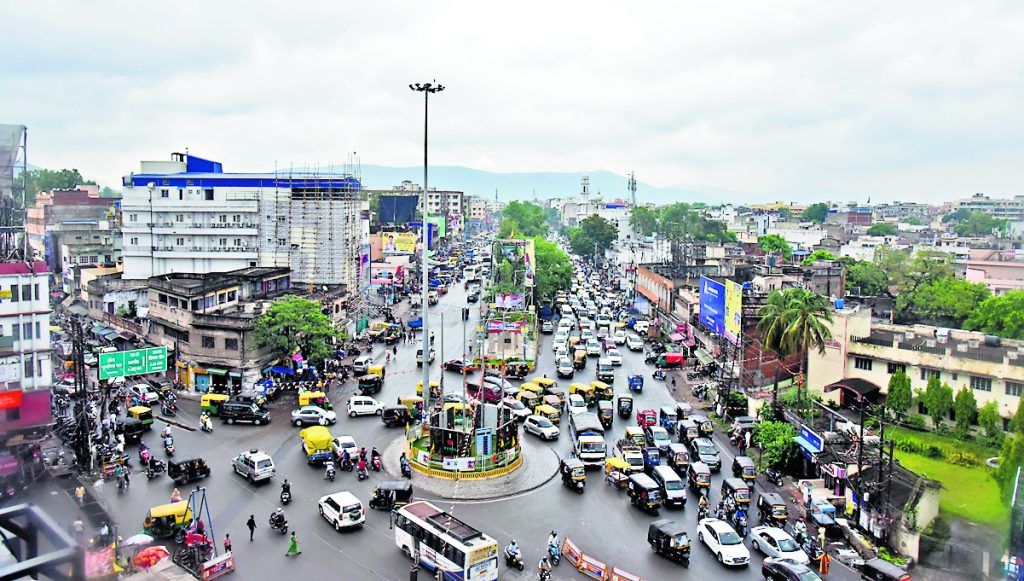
733	311
400	242
520	254
398	209
712	305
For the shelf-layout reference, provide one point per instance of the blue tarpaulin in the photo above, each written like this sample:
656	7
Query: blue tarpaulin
416	323
282	369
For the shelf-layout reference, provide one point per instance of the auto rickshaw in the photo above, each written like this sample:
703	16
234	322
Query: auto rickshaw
435	389
605	414
212	402
688	431
636	435
413	403
683	410
168	521
391	494
602	391
369	384
739	490
667	418
585	391
548	412
131	428
545	383
743	467
317	398
530	399
396	415
646	417
188	470
552	401
143	414
704	423
557	392
652	458
636	383
531	387
375	370
670	361
517	369
644	493
698	476
669	539
772	509
625	406
573	474
615	471
678	458
579	359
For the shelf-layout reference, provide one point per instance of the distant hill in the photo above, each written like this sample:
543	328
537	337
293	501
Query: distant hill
524	186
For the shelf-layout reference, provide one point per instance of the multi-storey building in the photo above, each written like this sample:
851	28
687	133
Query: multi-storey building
187	215
25	368
1008	209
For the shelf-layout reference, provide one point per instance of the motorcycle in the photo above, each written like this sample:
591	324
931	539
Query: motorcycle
169	447
143	455
286	497
659	374
544	576
154	468
330	474
406	470
814	552
363	474
168	409
773	476
376	464
554	553
514	560
206	425
279	526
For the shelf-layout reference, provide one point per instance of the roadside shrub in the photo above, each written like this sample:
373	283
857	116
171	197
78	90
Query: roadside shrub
995	442
915	422
943	430
933	452
885	555
965	459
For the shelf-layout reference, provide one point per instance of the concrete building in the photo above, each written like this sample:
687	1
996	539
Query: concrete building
187	215
25	368
871	352
207	321
1008	209
1000	270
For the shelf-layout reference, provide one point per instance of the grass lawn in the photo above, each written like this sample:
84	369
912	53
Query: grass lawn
968	493
948	444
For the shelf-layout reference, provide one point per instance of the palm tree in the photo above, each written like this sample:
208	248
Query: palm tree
796	320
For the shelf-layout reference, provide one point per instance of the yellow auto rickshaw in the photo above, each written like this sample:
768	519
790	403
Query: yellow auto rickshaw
548	412
544	383
529	398
602	391
579	359
435	389
413	403
143	414
636	435
531	387
375	370
168	520
211	403
585	391
317	398
553	401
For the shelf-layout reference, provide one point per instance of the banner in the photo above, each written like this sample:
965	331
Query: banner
520	254
397	209
510	301
712	305
502	326
400	242
733	311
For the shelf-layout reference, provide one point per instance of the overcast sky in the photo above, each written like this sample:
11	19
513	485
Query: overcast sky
905	100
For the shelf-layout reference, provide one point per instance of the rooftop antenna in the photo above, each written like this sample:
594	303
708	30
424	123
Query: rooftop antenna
632	187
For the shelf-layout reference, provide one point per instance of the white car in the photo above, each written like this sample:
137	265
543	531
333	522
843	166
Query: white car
586	334
312	414
146	394
345	444
361	405
576	404
562	352
775	542
634	343
614	356
362	363
593	347
519	409
254	465
342	510
560	341
619	337
565	368
541	427
723	541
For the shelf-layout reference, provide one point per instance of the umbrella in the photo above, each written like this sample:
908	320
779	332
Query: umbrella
139	539
150	556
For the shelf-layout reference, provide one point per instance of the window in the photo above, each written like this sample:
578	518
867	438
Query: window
165	193
134	240
1014	388
862	363
208	342
222	218
232	295
133	217
14	293
38	334
222	298
29	368
894	367
179	217
209	194
238	241
926	373
16	332
162	298
223	241
179	241
26	330
26	292
955	377
231	344
37	287
282	241
981	383
236	218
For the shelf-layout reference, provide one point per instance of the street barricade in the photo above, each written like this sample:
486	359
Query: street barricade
571	552
592	567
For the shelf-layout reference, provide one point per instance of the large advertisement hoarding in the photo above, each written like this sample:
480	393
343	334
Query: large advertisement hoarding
398	209
520	254
712	305
400	242
733	311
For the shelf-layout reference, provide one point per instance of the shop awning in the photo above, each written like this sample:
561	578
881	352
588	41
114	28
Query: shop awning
703	357
279	369
860	386
216	371
676	337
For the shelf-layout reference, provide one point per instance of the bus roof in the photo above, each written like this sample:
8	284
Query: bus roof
443	521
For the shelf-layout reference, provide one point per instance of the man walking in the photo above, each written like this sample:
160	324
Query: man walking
79	528
227	542
80	495
251	523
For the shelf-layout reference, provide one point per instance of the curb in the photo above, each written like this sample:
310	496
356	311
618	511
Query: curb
509	495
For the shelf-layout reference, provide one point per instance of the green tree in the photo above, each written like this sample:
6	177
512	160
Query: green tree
989	419
553	270
899	396
883	229
956	216
1001	315
295	325
795	320
644	220
680	221
1010	459
816	256
594	234
937	399
979	224
965	406
945	302
816	212
530	219
1017	421
509	228
913	221
866	278
44	180
773	243
785	214
776	442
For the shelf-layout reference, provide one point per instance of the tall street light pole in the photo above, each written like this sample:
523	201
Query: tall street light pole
426	89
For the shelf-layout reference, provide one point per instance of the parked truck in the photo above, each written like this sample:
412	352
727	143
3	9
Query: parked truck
587	435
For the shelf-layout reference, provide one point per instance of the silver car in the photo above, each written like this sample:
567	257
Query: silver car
312	414
254	465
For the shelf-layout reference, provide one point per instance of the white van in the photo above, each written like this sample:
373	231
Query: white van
641	327
342	510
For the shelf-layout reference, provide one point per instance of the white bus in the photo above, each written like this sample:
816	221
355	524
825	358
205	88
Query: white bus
443	542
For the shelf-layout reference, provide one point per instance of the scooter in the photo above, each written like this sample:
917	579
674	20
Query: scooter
169	447
406	471
206	425
659	374
514	560
363	474
554	553
773	476
286	497
154	468
376	464
330	474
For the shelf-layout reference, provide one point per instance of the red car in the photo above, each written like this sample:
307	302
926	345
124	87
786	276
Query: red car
461	365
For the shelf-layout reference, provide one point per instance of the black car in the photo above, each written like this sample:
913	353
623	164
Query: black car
787	570
705	451
458	365
473	297
232	412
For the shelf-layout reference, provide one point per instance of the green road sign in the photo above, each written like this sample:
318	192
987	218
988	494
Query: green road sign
137	362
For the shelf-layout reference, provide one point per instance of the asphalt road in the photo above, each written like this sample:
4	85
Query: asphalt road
601	520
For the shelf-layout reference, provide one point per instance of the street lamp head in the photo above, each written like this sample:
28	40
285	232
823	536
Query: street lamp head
427	87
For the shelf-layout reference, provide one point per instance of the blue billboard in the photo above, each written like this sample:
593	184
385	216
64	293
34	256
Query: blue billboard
712	305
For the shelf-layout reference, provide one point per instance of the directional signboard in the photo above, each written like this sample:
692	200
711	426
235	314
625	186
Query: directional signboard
137	362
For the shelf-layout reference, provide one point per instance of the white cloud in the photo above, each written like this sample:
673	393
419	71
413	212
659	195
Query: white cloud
912	100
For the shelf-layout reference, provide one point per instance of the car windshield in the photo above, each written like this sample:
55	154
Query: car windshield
660	435
788	545
592	447
674	485
544	422
516	404
706	450
729	538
